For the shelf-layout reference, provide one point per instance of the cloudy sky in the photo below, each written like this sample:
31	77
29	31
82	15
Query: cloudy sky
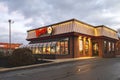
29	14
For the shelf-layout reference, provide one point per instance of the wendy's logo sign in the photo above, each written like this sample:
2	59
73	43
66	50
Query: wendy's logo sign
43	31
49	30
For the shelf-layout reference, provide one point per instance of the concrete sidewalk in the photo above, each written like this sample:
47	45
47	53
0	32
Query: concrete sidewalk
54	62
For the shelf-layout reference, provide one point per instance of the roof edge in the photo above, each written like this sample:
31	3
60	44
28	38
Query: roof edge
73	19
106	27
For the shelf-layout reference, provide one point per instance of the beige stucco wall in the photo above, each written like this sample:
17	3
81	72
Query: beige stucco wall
76	26
57	29
82	28
109	33
98	31
62	28
31	34
104	31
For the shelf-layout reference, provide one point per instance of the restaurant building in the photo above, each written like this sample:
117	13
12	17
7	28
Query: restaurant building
72	39
118	47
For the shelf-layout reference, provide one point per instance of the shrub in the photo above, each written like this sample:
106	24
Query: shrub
21	56
1	54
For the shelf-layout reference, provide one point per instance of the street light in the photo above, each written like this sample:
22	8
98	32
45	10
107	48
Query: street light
10	21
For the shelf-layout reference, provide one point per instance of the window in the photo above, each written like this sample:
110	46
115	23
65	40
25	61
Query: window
44	48
81	46
48	48
36	50
105	47
53	48
66	47
62	47
86	47
109	46
58	48
95	48
33	49
113	45
40	48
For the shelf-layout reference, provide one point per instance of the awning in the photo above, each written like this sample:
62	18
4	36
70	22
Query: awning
40	44
44	44
49	44
53	43
37	45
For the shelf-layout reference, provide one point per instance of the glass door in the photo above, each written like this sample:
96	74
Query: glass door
95	49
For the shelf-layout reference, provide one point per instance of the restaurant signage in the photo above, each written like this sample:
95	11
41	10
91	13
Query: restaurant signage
43	31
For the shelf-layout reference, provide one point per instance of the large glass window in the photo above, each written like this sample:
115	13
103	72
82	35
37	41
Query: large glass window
109	46
81	46
113	45
36	50
58	48
86	47
53	48
48	48
33	49
40	48
66	47
44	48
95	48
62	47
105	47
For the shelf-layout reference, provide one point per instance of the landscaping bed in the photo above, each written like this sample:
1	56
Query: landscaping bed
4	63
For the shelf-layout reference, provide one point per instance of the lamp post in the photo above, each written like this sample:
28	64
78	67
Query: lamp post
10	21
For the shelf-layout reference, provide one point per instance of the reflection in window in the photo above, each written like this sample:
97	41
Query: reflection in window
81	46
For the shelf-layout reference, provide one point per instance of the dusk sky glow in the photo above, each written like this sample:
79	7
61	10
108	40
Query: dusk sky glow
30	14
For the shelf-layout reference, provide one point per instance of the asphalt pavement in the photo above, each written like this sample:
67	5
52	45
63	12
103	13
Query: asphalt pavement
85	69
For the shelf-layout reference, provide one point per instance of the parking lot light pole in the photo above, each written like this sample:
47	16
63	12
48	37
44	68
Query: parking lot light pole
10	21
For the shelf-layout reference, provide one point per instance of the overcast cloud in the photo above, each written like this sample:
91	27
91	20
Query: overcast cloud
29	14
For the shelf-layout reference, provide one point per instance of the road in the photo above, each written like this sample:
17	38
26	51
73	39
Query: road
92	69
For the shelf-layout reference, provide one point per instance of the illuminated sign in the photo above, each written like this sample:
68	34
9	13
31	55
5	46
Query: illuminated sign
43	31
49	30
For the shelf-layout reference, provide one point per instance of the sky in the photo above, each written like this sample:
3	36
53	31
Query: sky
30	14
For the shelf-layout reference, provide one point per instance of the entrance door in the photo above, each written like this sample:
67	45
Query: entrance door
95	49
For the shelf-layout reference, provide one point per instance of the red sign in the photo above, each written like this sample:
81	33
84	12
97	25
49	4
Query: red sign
41	31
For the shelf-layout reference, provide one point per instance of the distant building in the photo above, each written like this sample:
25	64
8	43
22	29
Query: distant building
5	47
72	39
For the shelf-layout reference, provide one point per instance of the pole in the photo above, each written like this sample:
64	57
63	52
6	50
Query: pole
9	35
